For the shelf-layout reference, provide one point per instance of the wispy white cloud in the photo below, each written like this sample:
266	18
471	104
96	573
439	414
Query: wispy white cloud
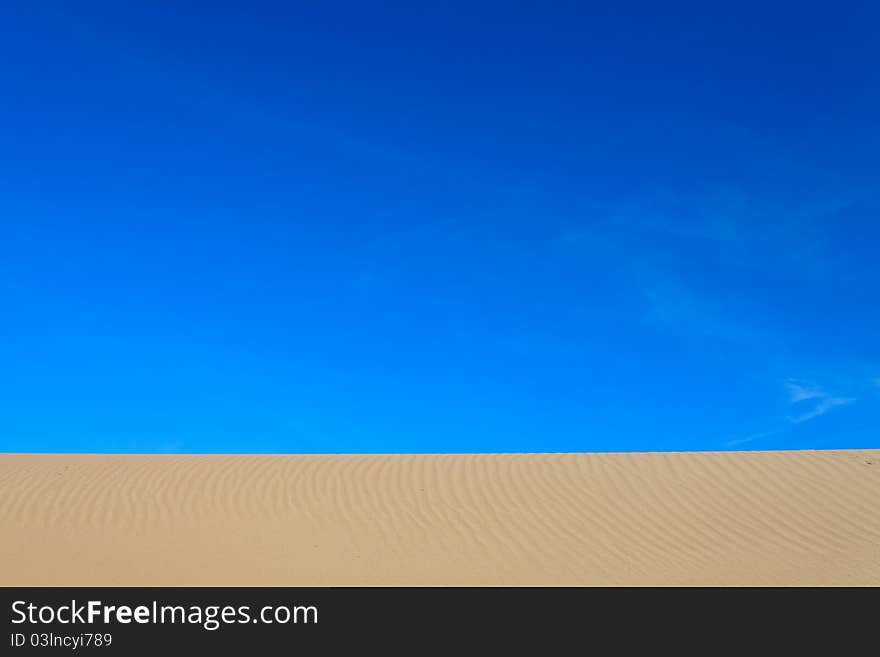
798	392
812	400
818	401
821	408
738	442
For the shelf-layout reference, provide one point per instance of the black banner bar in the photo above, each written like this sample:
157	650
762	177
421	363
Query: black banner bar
129	621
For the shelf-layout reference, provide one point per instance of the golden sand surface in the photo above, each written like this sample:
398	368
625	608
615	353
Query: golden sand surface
727	518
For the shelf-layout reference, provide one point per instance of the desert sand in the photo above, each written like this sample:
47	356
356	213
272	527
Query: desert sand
747	518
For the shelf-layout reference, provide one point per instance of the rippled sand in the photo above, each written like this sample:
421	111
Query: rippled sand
790	518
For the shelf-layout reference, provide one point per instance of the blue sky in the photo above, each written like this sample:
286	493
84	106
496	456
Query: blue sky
450	227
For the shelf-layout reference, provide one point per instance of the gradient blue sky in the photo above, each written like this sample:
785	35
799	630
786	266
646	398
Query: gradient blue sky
446	227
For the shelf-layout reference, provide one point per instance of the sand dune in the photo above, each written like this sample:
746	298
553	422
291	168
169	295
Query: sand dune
750	518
